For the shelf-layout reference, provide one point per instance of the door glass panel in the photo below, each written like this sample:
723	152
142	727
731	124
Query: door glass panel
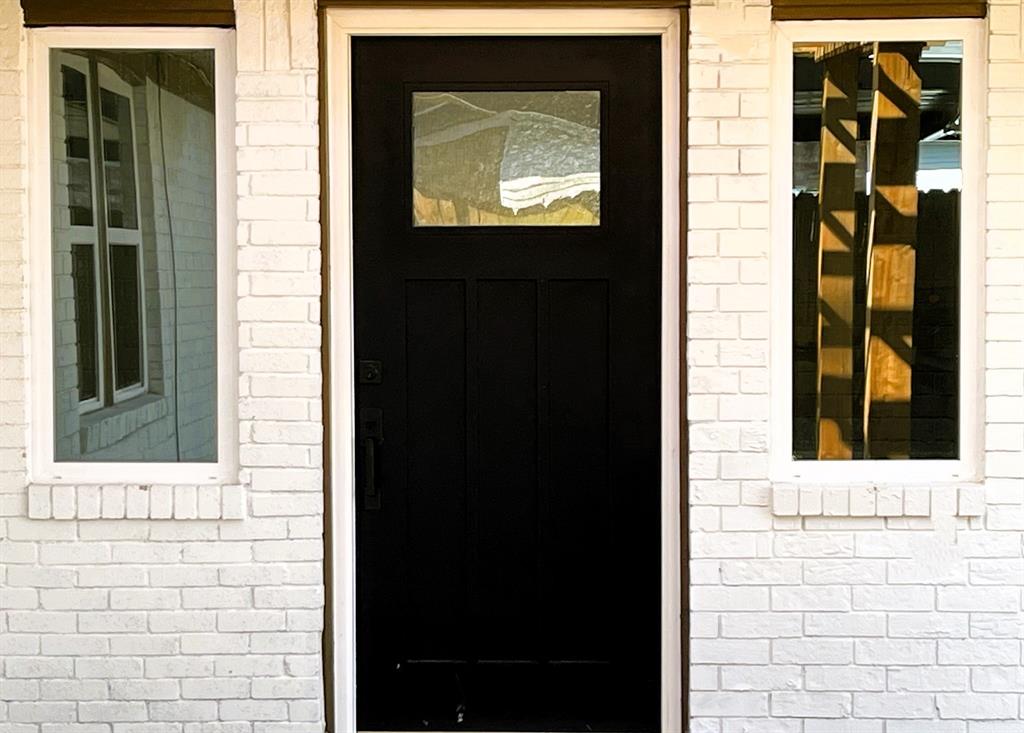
506	158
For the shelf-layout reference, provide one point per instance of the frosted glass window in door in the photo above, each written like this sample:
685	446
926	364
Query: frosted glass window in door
498	158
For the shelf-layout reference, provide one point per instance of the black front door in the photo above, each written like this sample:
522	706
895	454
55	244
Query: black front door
507	231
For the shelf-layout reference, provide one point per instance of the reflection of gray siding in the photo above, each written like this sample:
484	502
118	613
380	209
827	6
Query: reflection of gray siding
188	147
155	426
939	156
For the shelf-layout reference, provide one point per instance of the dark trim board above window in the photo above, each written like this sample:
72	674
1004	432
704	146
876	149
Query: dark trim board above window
506	4
216	13
876	9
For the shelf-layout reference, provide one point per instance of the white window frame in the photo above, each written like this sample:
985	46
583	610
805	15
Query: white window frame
340	26
78	234
42	466
967	467
121	236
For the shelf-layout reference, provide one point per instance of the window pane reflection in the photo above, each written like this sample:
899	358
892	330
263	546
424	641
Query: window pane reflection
134	255
876	242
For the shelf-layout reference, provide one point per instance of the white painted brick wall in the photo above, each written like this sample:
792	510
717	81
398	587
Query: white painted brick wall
170	623
800	624
884	613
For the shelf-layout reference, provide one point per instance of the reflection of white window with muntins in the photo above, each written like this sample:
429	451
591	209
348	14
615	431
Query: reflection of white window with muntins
135	255
99	243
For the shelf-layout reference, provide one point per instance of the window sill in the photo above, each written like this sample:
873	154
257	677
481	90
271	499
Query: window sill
870	500
107	426
138	501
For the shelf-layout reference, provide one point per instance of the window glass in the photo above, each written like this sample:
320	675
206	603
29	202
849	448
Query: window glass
118	160
134	252
76	146
83	280
506	158
124	295
876	245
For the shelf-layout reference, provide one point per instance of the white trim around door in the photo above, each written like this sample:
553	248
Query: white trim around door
340	25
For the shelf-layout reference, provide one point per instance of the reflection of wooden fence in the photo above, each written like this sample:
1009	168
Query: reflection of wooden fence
933	403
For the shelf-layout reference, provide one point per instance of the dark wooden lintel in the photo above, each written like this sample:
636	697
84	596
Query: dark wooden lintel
216	13
868	9
507	4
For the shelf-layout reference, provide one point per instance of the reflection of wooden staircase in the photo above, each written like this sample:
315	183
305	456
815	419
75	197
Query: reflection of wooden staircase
891	249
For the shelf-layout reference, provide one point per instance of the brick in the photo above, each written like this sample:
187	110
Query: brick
179	667
106	667
184	710
757	677
929	625
812	651
144	689
148	598
253	710
997	679
893	705
218	689
844	624
46	622
978	599
979	651
728	703
761	625
111	712
928	679
250	621
216	598
844	572
805	598
977	706
811	704
860	679
38	667
41	712
289	689
74	598
894	652
251	665
182	621
761	572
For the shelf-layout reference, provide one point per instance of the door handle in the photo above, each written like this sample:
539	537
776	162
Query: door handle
371	433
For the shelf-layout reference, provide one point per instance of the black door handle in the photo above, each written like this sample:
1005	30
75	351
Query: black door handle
371	432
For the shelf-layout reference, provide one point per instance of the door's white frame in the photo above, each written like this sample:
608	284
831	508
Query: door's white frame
340	25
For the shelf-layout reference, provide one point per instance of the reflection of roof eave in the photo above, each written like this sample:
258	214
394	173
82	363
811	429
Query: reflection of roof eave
464	129
499	119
